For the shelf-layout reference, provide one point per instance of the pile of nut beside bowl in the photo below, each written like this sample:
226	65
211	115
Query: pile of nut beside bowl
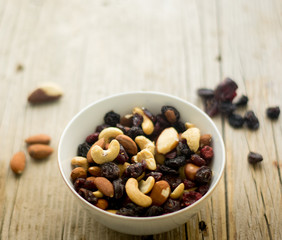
144	165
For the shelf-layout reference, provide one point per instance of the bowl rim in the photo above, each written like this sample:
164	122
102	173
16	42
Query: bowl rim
152	218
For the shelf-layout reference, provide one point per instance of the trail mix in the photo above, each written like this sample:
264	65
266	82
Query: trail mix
142	164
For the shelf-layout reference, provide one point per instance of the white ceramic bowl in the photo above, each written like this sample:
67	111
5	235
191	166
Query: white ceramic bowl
88	118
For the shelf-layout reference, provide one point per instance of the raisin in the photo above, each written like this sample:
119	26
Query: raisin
149	115
254	158
171	205
203	189
83	149
131	209
126	212
118	188
226	108
89	184
251	120
179	127
205	92
242	101
175	162
122	128
172	180
183	149
137	120
211	106
162	121
134	170
156	175
79	182
167	170
188	184
236	120
110	171
122	157
202	226
101	127
111	118
273	112
92	138
88	195
203	175
226	90
207	153
190	197
134	132
171	113
154	211
197	160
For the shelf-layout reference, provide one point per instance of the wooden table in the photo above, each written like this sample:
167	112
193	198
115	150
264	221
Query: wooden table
97	48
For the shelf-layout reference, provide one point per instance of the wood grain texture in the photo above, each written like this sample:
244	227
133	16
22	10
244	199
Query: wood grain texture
98	48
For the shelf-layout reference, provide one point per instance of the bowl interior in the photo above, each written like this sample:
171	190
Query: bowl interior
85	122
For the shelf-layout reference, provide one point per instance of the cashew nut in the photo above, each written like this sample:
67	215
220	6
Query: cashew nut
147	125
146	155
110	133
101	156
146	186
145	143
177	192
192	136
122	168
135	195
189	125
80	162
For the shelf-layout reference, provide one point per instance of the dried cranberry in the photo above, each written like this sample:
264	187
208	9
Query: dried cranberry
156	175
226	107
251	120
203	175
83	149
88	195
92	138
171	154
112	118
197	160
137	120
118	188
183	149
179	127
203	189
242	101
190	197
110	171
154	211
172	180
188	184
207	153
175	162
122	157
134	170
211	106
171	113
171	205
134	132
79	182
273	112
226	90
254	158
149	115
236	120
101	127
167	170
205	92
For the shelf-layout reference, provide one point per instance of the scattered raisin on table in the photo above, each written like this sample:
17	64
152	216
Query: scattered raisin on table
251	120
226	108
226	90
236	120
273	112
111	118
83	149
242	101
254	158
205	92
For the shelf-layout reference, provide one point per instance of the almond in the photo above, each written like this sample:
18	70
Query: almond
128	144
160	192
17	162
102	203
39	138
78	172
39	151
167	140
95	171
104	186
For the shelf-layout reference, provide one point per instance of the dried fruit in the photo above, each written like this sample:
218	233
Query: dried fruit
110	171
154	211
207	153
92	138
226	90
137	120
88	195
17	162
251	120
197	160
119	188
89	184
205	92
242	101
226	108
79	183
203	175
254	158
273	112
122	157
83	149
134	170
134	132
171	205
111	118
171	113
236	120
175	162
190	197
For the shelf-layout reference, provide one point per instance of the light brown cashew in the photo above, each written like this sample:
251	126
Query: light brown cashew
101	156
192	136
189	125
177	192
110	133
135	195
147	125
146	186
122	168
80	162
146	155
145	143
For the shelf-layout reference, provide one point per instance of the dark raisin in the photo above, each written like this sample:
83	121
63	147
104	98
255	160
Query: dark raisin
122	128
203	175
171	154
171	205
254	158
101	127
251	120
156	175
134	170
226	90
197	160
122	156
190	197
179	127
273	112
126	212
211	106
242	101
202	226
112	118
203	189
167	170
89	184
149	115
172	180
79	182
137	120
118	188
183	149
131	209
171	113
175	162
205	92
162	121
134	132
207	153
92	138
83	149
236	120
188	184
154	211
110	171
226	108
88	195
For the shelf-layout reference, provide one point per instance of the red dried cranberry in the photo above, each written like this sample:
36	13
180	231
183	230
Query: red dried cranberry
254	158
92	138
171	205
226	90
203	175
110	171
251	120
190	197
273	112
111	118
203	189
206	152
188	184
197	160
242	101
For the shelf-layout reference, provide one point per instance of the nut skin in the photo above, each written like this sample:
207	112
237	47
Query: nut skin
167	140
190	171
104	186
102	203
205	140
39	151
39	138
78	172
128	144
18	162
160	192
95	171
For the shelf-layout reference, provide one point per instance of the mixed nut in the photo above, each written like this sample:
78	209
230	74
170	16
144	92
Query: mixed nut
142	164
